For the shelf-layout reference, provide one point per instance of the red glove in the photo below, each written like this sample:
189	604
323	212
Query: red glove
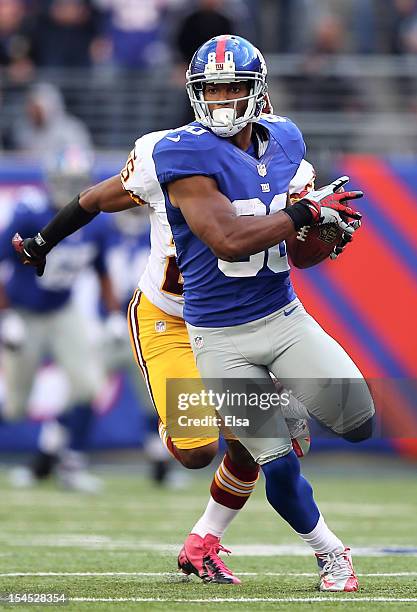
327	205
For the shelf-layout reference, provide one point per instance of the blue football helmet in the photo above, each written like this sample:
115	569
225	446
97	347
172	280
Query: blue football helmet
227	59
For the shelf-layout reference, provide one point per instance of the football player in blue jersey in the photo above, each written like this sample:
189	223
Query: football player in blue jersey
225	179
40	319
127	261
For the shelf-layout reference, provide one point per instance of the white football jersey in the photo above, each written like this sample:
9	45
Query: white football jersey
161	281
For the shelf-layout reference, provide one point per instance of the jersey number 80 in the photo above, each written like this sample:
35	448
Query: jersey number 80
275	258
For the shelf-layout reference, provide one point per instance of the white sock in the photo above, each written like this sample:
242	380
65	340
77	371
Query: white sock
215	520
53	438
322	540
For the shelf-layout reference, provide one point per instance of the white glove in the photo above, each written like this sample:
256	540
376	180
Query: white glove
115	327
13	331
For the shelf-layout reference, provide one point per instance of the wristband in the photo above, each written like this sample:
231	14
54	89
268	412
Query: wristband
300	214
36	247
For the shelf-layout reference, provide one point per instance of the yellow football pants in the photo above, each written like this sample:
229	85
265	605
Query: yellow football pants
162	350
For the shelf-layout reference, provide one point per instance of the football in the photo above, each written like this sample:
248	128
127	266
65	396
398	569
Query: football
311	245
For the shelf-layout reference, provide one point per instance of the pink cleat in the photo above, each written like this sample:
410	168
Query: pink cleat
199	556
336	572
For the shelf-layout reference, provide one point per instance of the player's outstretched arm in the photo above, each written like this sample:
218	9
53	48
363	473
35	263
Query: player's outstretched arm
107	196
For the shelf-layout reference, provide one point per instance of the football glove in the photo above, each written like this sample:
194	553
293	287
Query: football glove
115	328
327	205
345	240
13	332
29	253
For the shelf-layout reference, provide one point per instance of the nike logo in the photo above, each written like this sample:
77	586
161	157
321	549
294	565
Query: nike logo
174	138
288	312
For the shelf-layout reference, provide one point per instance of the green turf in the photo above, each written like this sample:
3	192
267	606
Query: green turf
136	527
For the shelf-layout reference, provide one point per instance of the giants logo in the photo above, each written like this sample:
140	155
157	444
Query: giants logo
219	66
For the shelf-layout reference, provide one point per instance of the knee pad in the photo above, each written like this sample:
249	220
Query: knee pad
361	433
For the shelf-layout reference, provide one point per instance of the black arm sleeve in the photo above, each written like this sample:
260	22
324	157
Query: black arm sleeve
66	222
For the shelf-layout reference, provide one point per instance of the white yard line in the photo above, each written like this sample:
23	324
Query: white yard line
180	575
100	542
325	599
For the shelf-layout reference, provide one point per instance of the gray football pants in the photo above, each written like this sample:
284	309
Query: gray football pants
302	356
63	336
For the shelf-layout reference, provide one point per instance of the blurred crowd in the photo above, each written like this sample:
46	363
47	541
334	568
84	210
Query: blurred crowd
143	33
124	41
135	34
77	75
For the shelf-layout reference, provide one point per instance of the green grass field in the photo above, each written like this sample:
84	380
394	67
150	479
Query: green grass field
121	546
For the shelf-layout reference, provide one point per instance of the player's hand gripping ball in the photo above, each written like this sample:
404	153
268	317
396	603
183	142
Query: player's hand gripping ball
335	224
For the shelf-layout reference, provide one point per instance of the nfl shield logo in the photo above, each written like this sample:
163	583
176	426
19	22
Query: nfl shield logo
261	169
199	342
160	326
328	232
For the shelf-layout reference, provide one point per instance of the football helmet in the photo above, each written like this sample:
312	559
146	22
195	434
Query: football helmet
67	173
227	59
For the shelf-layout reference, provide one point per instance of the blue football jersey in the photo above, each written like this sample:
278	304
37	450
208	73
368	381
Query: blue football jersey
219	293
127	259
87	247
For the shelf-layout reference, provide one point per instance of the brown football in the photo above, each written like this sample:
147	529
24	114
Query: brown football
311	245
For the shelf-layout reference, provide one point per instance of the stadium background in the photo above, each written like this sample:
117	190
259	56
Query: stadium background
344	71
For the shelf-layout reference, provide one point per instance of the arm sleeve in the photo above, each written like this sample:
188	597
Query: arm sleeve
67	221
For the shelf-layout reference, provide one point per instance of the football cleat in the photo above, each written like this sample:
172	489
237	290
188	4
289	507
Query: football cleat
22	477
72	474
300	436
336	572
199	556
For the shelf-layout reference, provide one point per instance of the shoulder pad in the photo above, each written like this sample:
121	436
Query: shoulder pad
287	134
138	176
187	151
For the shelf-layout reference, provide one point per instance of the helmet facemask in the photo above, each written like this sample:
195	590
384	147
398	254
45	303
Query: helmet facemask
225	122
